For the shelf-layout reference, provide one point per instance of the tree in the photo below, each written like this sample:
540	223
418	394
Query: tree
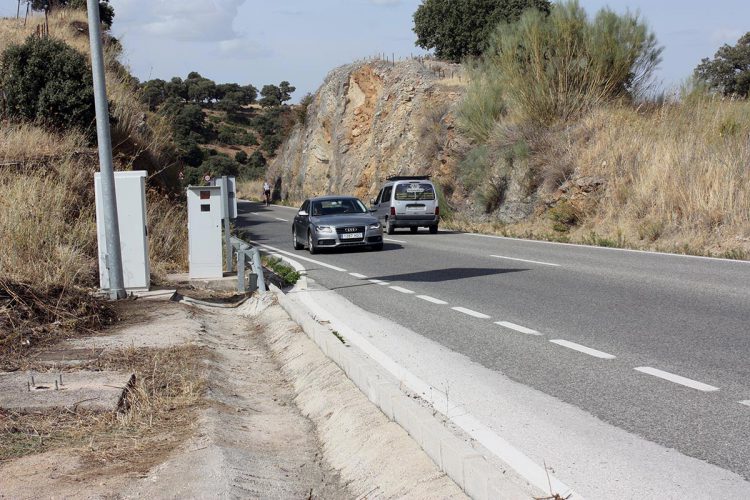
46	81
729	71
154	93
276	96
460	28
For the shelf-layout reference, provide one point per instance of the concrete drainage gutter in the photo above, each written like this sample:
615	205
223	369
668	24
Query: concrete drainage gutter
464	464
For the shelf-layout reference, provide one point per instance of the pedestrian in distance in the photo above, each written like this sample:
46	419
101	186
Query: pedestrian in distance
267	193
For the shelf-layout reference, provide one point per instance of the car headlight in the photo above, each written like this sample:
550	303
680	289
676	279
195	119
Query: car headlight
375	226
324	229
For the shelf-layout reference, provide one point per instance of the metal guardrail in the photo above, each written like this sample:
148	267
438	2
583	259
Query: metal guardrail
247	253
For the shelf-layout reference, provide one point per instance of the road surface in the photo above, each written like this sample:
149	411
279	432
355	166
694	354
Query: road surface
653	344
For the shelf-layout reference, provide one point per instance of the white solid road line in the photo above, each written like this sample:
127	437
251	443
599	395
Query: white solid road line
610	249
392	240
470	312
378	282
526	260
582	348
279	218
296	256
357	275
693	384
432	299
518	328
399	289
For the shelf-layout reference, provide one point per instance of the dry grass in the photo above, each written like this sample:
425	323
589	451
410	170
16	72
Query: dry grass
47	224
169	387
250	190
677	178
26	142
167	229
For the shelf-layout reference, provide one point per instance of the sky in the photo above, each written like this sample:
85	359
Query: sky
267	41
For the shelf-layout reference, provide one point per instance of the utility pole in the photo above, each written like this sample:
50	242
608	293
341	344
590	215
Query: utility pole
109	197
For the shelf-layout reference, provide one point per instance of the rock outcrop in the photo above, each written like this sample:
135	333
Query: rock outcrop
370	120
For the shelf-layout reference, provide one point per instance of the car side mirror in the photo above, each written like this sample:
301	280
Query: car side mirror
302	213
373	202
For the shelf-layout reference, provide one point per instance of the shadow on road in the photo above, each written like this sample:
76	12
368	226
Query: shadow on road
449	274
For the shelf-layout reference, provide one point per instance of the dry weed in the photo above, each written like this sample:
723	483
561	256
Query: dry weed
169	387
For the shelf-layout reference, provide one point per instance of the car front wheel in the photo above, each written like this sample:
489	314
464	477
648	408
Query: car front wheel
297	245
311	247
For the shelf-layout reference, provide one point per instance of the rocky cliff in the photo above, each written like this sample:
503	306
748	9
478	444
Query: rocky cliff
370	120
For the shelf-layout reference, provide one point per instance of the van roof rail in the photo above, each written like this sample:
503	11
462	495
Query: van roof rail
408	178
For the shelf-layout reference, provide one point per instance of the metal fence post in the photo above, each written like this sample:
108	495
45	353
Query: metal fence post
258	268
227	232
241	256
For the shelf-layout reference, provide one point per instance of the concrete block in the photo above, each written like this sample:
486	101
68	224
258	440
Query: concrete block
405	414
383	394
502	487
432	433
453	454
476	472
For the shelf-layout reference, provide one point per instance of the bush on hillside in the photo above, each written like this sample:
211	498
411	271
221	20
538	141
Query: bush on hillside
460	28
48	82
551	68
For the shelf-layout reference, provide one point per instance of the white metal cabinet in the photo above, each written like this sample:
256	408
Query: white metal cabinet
204	231
130	190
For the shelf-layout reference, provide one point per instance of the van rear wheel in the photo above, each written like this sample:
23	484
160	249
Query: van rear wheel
389	227
433	229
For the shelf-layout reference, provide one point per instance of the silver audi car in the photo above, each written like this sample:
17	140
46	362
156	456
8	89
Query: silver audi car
334	222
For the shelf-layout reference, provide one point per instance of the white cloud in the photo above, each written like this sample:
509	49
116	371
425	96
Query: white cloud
182	20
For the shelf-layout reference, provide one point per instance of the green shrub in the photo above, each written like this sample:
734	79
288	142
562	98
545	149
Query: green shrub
553	67
565	214
240	157
285	272
46	81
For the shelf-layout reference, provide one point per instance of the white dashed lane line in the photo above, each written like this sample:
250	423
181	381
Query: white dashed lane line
378	282
526	260
357	275
279	218
432	299
518	328
470	312
677	379
746	403
402	290
297	256
393	241
582	348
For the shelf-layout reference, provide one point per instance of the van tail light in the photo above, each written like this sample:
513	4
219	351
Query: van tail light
437	210
393	210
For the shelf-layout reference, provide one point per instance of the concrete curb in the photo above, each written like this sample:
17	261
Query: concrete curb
470	470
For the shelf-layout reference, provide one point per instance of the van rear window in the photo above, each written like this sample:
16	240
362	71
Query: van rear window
415	191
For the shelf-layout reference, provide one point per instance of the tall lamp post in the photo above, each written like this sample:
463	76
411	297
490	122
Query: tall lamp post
109	198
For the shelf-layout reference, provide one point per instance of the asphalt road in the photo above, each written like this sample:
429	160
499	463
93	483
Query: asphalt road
654	344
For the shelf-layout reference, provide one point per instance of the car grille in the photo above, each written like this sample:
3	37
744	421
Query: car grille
350	229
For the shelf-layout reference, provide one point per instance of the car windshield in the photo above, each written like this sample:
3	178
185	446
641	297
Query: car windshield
415	191
338	206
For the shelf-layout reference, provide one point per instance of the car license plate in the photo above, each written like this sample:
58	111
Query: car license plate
351	236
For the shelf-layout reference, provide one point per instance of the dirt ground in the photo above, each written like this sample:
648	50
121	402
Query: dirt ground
227	404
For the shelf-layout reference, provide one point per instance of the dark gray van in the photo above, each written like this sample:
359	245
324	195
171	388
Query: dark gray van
407	201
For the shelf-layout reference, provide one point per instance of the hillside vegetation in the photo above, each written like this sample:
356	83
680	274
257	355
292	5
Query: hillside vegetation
556	111
47	215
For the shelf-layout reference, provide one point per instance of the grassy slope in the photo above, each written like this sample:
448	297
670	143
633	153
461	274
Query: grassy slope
676	178
47	221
